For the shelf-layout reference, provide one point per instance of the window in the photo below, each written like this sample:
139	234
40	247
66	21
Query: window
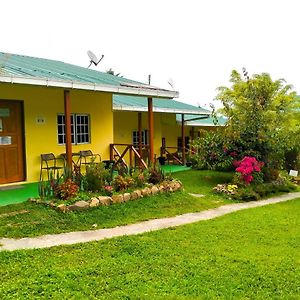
135	138
80	129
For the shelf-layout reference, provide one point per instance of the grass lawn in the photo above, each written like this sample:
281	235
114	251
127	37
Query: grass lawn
42	220
251	254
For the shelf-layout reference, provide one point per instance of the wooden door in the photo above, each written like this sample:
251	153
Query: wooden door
11	142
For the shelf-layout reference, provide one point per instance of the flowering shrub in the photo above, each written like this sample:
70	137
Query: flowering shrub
249	169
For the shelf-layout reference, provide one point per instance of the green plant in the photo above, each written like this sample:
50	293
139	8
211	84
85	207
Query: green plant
155	174
66	190
139	177
122	183
211	152
96	177
47	188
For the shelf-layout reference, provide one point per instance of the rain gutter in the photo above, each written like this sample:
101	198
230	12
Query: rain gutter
125	90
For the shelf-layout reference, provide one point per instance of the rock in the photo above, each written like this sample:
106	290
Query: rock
146	191
94	202
139	193
79	205
177	185
126	197
161	188
62	207
52	204
94	225
117	198
154	190
105	200
134	195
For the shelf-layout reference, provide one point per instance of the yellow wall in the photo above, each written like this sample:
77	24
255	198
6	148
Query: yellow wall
47	103
164	126
125	122
170	129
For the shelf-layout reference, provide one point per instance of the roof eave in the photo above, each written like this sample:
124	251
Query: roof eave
48	82
202	125
157	109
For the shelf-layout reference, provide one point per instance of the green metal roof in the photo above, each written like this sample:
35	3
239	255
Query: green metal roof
201	122
20	65
131	103
40	71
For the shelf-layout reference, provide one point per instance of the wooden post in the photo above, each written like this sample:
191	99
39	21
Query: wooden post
140	137
151	130
140	132
183	138
68	130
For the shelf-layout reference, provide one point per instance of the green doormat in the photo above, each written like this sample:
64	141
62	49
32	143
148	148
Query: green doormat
174	168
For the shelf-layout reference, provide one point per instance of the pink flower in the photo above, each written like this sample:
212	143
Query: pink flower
247	166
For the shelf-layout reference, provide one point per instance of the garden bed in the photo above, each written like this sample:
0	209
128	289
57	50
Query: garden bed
163	187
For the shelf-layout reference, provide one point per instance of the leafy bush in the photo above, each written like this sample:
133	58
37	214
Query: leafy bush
66	190
155	174
96	177
211	153
121	183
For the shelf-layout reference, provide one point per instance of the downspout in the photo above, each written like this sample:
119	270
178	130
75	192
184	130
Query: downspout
151	130
140	132
183	138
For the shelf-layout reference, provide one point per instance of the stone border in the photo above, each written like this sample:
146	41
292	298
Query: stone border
164	187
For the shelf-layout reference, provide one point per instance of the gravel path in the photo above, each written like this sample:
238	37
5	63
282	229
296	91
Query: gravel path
69	238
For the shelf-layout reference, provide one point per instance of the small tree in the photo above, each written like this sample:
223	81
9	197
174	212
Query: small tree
262	116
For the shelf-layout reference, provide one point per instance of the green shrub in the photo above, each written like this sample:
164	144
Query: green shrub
66	190
96	177
211	152
122	183
155	174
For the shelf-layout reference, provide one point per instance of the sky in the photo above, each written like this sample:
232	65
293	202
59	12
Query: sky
194	43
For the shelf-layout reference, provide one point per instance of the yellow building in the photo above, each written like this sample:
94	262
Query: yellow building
38	95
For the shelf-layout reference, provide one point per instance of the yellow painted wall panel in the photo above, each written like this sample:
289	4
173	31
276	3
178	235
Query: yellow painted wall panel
45	103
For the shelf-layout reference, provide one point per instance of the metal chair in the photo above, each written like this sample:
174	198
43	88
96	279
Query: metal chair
87	157
49	163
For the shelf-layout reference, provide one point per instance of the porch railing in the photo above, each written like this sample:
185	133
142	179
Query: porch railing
118	152
174	154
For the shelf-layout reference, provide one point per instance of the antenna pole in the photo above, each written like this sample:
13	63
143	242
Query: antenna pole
149	79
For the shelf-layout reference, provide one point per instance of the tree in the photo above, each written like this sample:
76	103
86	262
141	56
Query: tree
262	116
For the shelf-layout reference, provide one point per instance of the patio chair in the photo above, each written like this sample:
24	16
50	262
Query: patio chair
87	157
49	164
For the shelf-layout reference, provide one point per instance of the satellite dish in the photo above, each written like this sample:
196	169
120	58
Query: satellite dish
93	58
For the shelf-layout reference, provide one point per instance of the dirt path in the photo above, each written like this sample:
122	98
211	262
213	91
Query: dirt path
69	238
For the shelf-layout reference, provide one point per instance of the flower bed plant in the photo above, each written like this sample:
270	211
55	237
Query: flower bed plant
98	186
249	182
166	186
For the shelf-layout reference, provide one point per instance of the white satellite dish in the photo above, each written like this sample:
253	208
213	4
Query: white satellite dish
93	58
